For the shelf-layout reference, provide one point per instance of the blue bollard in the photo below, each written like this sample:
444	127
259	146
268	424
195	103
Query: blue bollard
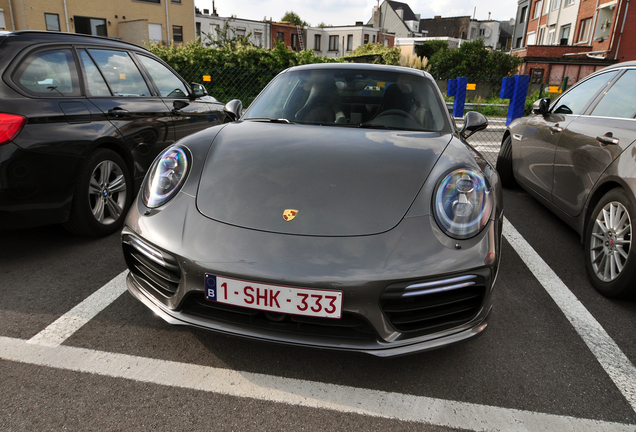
515	89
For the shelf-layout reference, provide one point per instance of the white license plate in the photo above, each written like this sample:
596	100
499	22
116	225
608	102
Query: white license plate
274	298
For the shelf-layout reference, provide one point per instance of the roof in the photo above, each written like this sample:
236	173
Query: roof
408	12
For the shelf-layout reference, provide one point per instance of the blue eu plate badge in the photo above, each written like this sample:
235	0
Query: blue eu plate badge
210	287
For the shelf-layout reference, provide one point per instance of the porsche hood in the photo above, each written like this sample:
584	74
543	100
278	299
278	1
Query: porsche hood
315	180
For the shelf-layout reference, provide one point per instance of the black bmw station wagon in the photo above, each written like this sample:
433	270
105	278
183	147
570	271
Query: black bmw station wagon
81	120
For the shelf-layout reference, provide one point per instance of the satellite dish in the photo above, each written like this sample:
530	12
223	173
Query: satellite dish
487	32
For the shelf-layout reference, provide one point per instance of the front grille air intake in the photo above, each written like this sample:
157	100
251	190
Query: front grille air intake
155	269
434	305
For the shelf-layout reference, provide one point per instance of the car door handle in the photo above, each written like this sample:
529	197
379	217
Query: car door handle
118	112
555	129
608	138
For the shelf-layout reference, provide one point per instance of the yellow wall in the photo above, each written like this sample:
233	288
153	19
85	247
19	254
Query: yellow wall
29	15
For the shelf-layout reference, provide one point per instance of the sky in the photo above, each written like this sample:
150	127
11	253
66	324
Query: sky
338	12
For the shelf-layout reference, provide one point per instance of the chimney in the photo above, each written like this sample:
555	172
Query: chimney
206	11
400	13
359	23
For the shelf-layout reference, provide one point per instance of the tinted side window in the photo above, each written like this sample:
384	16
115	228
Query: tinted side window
120	72
167	83
95	84
620	99
49	73
574	101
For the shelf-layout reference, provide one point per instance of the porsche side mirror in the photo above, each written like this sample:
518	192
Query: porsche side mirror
541	106
234	109
198	90
473	122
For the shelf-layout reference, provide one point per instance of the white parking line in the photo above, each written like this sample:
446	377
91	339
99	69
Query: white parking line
45	349
609	355
62	328
297	392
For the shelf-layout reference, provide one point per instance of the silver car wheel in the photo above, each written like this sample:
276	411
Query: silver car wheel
611	241
107	192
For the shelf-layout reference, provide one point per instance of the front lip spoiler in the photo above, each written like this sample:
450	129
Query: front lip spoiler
381	349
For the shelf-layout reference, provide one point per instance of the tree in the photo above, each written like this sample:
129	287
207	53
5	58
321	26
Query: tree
383	54
293	18
428	49
225	37
473	60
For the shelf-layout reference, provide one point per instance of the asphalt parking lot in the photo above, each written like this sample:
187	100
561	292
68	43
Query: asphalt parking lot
79	353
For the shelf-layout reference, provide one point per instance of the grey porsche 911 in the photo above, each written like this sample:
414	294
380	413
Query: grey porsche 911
342	210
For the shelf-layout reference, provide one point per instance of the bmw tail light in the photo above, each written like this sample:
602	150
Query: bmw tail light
10	126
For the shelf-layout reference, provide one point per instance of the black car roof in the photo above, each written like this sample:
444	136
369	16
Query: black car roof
47	36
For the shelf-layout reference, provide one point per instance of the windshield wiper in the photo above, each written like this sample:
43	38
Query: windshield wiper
374	126
268	119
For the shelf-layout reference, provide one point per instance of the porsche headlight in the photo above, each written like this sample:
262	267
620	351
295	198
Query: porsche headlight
165	177
463	203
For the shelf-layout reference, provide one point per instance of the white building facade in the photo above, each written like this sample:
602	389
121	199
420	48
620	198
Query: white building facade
257	32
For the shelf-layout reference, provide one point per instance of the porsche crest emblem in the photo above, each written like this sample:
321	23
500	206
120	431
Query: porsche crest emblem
289	214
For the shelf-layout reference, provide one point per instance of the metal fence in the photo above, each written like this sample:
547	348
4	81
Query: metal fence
245	84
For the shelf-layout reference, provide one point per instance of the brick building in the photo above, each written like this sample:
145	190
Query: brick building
574	38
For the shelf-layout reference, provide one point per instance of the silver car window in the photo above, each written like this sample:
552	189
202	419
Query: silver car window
620	99
575	100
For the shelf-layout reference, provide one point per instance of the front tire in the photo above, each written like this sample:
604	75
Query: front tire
504	164
609	255
102	195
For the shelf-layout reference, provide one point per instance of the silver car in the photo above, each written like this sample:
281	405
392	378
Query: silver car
576	155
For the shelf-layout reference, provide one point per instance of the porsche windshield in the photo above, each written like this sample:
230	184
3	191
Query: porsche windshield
350	97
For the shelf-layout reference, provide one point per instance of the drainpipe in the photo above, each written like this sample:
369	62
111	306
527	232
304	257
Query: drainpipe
167	23
11	13
68	29
618	14
618	44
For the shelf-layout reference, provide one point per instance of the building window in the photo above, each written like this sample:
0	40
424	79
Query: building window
240	32
280	36
177	33
584	32
150	1
373	39
541	36
317	42
555	4
569	2
565	34
537	9
198	29
518	44
333	43
349	42
52	22
155	32
551	32
522	18
366	39
294	44
258	38
90	26
176	1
